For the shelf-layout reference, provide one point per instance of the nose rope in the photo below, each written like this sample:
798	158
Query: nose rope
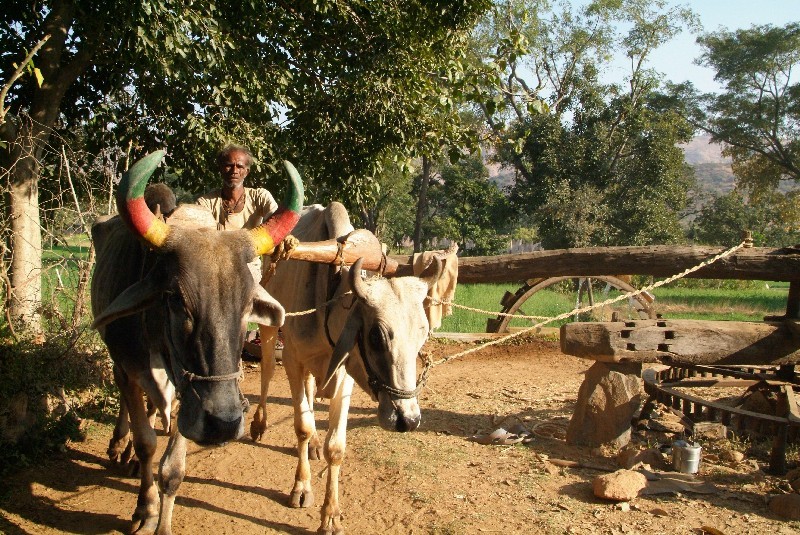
192	377
237	375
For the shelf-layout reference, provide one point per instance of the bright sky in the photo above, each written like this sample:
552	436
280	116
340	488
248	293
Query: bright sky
676	58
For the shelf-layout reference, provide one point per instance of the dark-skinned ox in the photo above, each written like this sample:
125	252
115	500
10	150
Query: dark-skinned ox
172	305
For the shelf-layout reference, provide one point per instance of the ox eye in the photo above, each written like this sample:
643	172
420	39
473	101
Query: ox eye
378	338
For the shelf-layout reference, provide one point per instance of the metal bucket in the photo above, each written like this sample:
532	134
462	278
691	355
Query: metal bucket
686	457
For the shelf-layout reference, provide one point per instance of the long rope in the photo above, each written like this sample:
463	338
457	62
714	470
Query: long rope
592	307
545	321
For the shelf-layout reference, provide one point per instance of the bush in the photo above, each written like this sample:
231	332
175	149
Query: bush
45	391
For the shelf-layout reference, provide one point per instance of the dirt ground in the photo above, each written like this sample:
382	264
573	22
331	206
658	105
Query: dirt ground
432	481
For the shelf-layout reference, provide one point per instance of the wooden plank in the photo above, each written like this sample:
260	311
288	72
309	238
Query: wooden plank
682	342
755	263
791	400
793	325
477	337
712	383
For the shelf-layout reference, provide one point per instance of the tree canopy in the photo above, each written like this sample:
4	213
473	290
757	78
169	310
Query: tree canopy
336	86
756	116
596	163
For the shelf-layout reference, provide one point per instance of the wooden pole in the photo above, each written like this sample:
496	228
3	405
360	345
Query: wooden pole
756	263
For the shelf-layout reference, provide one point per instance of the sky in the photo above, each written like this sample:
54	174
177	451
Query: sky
675	59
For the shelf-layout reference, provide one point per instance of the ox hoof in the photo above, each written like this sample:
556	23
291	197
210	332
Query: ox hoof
120	450
301	498
333	526
124	458
143	524
258	427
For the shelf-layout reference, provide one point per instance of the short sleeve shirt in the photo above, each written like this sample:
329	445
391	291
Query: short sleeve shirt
258	206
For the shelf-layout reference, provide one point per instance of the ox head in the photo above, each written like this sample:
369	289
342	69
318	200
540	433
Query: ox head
197	300
388	325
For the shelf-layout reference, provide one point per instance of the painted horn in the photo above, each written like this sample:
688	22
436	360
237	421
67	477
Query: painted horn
131	205
281	223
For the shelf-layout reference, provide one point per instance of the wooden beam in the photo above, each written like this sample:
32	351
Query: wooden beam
755	263
675	342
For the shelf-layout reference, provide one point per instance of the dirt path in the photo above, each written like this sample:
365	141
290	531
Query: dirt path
433	481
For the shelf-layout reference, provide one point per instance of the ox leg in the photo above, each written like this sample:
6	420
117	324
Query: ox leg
268	336
314	445
335	443
152	412
301	495
171	474
145	516
120	447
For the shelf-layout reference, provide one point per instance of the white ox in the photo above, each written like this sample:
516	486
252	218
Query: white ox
376	332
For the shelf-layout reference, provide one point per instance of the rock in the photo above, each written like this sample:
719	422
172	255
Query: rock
620	486
731	456
709	430
666	425
786	505
608	397
759	401
793	474
793	477
630	457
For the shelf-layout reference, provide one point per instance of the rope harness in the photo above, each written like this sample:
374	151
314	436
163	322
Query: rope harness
376	384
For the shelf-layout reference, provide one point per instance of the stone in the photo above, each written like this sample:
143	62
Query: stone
620	486
630	457
786	505
793	477
608	398
731	456
709	430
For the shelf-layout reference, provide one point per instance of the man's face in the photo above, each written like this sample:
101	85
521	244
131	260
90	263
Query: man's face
234	169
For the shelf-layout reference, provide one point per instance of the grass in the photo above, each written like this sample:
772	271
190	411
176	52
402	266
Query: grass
750	301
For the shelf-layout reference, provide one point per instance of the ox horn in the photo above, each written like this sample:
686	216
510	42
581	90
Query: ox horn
357	281
431	274
278	226
131	204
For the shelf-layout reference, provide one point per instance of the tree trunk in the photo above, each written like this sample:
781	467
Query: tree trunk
28	149
422	203
26	238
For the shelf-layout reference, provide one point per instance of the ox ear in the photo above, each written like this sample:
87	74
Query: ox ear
344	345
136	298
266	310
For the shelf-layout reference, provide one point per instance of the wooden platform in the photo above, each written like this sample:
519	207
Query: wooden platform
675	342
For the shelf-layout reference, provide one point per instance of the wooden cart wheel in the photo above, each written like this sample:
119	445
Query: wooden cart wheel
579	292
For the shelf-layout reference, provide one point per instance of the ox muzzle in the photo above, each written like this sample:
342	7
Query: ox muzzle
212	408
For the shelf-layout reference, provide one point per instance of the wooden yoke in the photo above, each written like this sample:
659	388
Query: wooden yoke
360	243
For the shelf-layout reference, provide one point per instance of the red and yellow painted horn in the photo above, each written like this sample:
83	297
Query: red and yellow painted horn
281	223
131	205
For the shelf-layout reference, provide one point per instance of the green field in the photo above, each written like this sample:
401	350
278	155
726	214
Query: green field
750	303
692	299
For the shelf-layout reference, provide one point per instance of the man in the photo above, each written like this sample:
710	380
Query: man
235	206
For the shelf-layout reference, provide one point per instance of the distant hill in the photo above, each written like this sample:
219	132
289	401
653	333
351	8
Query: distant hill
712	169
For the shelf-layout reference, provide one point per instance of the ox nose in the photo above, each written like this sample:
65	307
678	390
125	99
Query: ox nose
407	423
218	430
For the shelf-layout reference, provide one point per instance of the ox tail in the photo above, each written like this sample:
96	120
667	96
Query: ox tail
131	203
281	223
